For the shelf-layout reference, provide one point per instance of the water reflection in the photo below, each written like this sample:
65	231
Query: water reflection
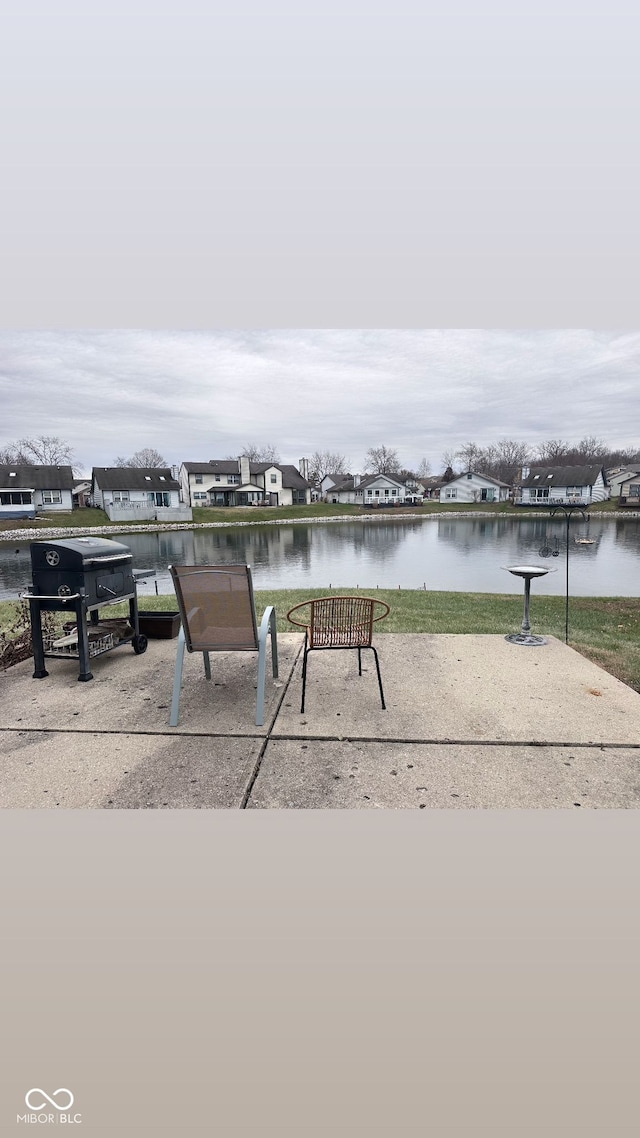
445	554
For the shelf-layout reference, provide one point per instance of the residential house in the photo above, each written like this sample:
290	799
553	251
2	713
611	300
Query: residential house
369	491
81	493
629	491
25	489
562	486
133	492
431	487
618	477
241	482
474	487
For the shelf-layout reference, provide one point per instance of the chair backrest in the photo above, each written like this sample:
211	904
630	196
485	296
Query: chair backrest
217	608
340	622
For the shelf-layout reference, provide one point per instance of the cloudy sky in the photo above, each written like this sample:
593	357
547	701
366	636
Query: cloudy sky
201	395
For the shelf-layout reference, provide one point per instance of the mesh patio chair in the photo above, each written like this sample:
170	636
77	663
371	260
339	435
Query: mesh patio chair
218	614
339	622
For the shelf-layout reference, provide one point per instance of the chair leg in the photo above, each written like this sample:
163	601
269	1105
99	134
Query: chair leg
304	672
267	628
384	706
177	681
359	661
207	666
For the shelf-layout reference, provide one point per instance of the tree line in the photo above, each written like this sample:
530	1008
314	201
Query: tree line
503	459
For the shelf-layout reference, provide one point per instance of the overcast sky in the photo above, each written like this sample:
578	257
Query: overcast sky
200	395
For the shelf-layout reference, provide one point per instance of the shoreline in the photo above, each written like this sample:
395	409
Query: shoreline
53	532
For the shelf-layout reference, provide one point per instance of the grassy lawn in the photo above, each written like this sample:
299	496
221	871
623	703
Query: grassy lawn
604	629
91	519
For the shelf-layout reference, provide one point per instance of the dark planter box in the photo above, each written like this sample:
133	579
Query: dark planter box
159	625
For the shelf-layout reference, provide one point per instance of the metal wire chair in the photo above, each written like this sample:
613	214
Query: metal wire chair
339	622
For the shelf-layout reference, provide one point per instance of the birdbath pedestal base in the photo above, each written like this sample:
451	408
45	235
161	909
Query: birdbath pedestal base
525	636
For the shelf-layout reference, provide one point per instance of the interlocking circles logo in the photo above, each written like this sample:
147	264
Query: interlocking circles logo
40	1106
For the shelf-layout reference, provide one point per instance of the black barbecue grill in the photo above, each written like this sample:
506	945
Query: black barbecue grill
82	575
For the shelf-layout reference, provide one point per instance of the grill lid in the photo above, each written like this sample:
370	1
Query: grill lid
79	554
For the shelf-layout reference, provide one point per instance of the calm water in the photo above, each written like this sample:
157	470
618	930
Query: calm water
447	553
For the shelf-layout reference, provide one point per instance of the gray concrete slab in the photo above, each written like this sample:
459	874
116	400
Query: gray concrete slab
471	688
133	693
66	770
462	713
368	775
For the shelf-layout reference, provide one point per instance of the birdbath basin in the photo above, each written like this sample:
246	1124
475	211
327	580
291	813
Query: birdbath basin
527	572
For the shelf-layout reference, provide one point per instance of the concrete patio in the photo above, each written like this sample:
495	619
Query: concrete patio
471	722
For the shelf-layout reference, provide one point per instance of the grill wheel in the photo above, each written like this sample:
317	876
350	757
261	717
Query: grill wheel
139	644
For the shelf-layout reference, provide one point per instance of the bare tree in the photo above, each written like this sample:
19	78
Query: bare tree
424	469
449	461
470	455
327	462
268	453
43	450
553	451
382	460
148	458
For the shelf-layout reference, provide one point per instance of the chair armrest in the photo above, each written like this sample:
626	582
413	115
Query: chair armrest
298	623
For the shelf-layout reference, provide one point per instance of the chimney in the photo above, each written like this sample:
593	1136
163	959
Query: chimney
356	480
524	473
304	468
245	475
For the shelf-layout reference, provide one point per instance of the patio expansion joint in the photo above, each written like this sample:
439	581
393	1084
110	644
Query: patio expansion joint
601	745
258	763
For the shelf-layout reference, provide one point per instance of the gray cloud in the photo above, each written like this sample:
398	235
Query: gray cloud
199	395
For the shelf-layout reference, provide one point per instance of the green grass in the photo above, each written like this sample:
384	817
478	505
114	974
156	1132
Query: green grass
604	629
92	519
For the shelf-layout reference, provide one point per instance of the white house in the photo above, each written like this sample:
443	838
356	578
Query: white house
241	482
26	489
127	492
562	486
616	479
371	491
474	487
629	491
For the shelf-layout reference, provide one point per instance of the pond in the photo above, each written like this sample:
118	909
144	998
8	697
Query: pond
458	554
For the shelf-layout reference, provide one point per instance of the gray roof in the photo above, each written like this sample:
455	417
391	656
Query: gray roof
480	474
562	475
36	477
134	478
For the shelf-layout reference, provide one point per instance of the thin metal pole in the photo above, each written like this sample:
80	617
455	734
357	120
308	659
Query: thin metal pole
566	599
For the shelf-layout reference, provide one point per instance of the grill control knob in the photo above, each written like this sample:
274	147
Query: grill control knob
52	557
64	590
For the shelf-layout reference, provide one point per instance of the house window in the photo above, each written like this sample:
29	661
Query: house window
273	478
377	493
634	491
233	479
120	496
574	491
51	497
386	493
451	492
147	477
393	493
198	480
199	495
16	498
539	492
158	498
469	476
369	493
217	478
487	495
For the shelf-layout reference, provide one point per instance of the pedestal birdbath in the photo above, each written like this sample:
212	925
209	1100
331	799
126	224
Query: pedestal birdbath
528	572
